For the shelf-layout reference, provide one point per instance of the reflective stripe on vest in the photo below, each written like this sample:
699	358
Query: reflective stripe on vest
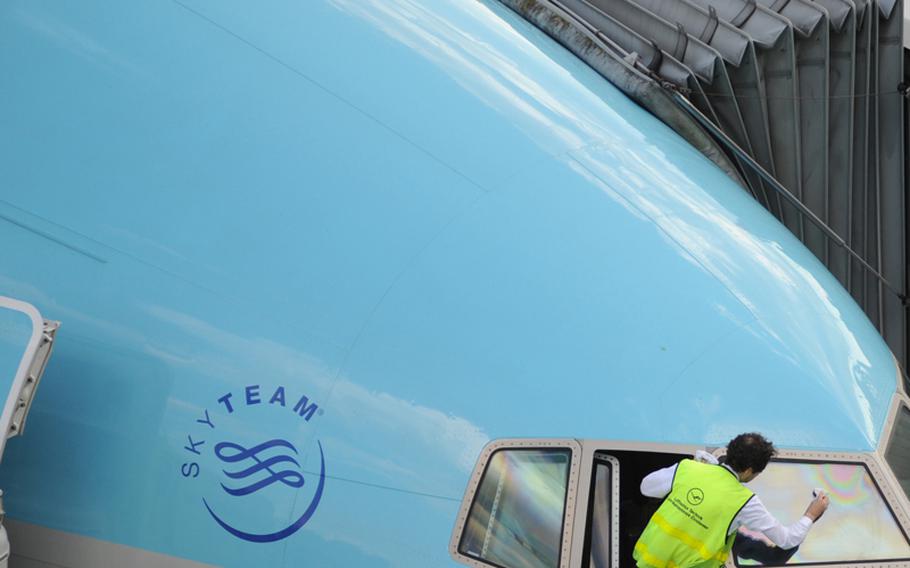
690	527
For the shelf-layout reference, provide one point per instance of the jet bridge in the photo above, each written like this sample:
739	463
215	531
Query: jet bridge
801	101
26	342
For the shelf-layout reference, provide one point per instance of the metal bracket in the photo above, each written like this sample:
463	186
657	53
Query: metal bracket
35	370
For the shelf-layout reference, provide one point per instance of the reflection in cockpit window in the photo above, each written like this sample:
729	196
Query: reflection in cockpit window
517	515
858	526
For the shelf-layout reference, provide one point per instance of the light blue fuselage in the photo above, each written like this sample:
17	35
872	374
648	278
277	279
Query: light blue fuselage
426	221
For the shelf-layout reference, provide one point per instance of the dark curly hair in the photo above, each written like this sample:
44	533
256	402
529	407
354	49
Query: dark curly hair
750	450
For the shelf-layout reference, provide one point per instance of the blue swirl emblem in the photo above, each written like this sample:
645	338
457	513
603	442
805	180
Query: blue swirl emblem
231	453
253	476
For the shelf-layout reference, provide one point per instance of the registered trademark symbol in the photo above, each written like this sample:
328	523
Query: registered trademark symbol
320	412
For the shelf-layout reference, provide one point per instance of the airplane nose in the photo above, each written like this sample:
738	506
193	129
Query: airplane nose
830	389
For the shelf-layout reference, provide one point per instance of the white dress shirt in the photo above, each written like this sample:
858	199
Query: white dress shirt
754	516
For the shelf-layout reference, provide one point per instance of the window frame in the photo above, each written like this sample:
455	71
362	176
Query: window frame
899	404
583	557
569	506
900	401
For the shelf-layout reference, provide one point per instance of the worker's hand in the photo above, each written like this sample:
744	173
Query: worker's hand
817	507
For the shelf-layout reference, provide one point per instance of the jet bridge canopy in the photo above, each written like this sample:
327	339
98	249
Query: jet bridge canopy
26	341
806	100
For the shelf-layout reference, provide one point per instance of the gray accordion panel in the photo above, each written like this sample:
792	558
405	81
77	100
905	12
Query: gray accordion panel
805	98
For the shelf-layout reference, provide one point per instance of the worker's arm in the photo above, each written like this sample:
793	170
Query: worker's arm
658	483
756	517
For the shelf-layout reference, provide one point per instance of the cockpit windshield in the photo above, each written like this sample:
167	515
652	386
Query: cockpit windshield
517	510
859	526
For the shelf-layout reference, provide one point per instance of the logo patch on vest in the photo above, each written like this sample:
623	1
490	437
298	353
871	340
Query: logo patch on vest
695	496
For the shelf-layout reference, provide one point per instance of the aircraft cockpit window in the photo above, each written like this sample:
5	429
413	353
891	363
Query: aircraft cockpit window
602	535
898	453
859	525
552	503
517	515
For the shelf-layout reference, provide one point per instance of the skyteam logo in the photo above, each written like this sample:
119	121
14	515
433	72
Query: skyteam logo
245	477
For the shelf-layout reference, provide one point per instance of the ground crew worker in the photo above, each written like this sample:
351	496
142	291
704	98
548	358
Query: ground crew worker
705	505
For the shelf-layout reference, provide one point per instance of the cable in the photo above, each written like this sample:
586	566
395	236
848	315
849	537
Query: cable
725	140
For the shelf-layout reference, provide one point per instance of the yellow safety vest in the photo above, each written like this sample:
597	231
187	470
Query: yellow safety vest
690	527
